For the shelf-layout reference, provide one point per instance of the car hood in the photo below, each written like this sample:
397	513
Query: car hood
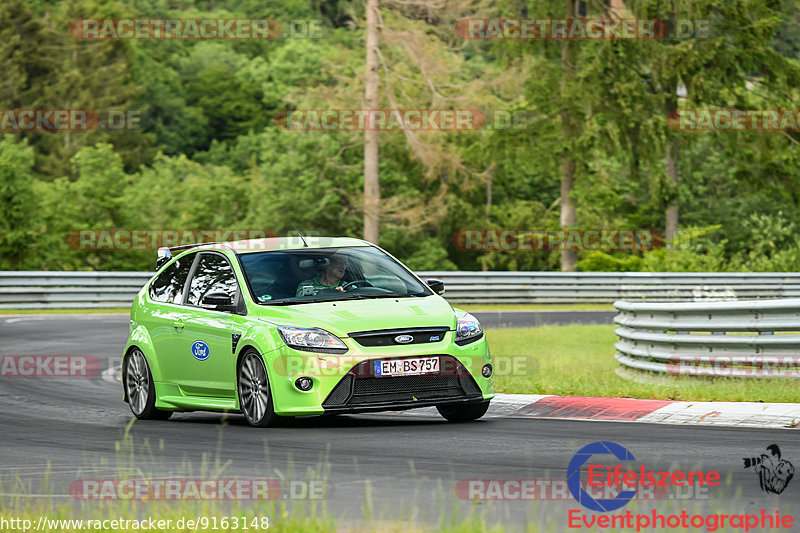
344	317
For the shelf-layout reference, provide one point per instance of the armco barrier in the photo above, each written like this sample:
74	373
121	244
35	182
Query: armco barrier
38	290
80	290
606	287
757	338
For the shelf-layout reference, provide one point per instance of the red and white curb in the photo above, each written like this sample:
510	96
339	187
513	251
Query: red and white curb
738	414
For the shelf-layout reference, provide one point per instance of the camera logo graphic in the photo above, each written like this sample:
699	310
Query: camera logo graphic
574	476
774	473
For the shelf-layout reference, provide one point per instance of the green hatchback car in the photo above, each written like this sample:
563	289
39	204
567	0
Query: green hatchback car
287	327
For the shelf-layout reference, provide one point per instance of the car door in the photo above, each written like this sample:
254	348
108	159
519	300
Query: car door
164	311
203	357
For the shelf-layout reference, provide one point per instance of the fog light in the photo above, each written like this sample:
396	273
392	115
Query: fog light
486	371
304	384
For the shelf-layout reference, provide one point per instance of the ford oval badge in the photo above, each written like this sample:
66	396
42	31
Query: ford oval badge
200	350
403	339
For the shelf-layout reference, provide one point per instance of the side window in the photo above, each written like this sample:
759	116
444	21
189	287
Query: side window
213	274
168	287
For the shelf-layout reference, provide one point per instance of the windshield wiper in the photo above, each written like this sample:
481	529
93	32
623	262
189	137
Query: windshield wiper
351	296
293	301
347	296
375	296
282	301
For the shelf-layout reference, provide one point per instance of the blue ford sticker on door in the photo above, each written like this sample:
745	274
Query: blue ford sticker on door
200	350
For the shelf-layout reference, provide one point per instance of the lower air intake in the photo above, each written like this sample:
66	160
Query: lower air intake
361	388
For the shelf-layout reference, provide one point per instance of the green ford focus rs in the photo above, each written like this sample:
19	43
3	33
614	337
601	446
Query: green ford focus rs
286	327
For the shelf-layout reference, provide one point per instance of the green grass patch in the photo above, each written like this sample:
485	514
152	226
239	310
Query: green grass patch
579	361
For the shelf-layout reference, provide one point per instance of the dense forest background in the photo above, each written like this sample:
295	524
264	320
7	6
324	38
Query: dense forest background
208	154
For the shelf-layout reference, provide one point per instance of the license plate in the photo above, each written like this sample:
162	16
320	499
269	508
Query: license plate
407	367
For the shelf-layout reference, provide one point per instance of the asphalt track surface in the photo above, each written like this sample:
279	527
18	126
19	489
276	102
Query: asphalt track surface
408	466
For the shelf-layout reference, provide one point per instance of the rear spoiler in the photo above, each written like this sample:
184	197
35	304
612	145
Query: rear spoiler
165	254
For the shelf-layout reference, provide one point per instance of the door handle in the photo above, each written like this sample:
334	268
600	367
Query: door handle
177	323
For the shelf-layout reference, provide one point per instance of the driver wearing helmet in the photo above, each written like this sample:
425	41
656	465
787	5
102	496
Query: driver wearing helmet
330	278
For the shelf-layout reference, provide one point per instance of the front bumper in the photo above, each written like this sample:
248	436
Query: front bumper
346	384
360	388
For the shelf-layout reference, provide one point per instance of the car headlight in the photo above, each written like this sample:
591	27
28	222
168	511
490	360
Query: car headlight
468	330
311	340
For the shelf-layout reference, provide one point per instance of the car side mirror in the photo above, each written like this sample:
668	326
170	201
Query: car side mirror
218	299
436	285
164	255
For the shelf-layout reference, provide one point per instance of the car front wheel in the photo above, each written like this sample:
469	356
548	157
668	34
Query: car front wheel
139	387
255	399
463	413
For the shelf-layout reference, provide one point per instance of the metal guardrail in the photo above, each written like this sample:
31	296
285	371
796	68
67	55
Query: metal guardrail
606	287
79	290
720	339
38	290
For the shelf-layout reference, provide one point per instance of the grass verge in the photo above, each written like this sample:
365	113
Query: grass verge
579	361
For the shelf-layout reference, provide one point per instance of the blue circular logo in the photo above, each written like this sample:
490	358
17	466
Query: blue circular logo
200	350
574	477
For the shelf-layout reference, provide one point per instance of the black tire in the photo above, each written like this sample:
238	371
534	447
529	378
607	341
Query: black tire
255	395
463	413
139	389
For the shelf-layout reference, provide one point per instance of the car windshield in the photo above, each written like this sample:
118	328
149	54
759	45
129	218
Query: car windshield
292	277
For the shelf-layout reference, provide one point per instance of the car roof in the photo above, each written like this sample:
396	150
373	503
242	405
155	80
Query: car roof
283	243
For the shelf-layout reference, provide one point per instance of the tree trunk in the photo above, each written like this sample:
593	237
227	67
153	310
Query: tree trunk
489	198
671	229
372	192
569	214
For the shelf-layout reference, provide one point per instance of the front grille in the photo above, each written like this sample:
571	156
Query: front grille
386	337
361	388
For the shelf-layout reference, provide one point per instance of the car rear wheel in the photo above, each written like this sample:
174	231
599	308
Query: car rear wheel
140	390
255	399
463	413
